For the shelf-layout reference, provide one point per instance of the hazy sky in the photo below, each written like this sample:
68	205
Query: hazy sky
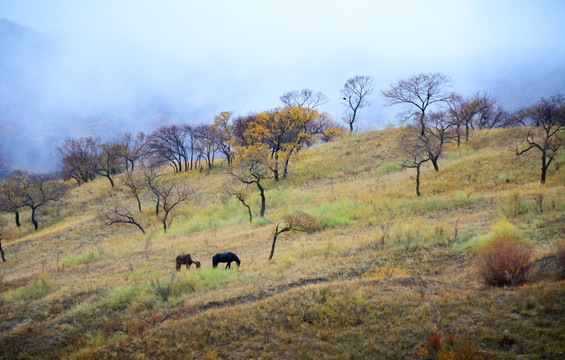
240	56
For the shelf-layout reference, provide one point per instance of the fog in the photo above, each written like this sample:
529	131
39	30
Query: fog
78	68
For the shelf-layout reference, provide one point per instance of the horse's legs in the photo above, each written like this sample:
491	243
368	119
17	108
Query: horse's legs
228	265
188	265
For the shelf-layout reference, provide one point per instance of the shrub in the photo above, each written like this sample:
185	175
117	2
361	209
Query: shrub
504	260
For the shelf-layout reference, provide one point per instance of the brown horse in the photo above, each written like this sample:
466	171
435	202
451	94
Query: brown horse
187	259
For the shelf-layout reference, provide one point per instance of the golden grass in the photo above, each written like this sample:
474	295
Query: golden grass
386	270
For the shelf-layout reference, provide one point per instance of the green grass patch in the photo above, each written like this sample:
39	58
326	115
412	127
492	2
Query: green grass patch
35	290
84	258
119	297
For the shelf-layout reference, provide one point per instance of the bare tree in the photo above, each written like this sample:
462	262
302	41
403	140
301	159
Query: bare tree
252	168
548	115
230	190
133	149
38	191
11	194
415	149
476	111
168	147
207	141
151	176
355	92
79	159
108	161
135	187
298	222
304	98
171	194
119	216
436	135
420	91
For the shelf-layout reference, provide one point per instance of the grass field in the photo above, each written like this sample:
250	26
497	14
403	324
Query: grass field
388	275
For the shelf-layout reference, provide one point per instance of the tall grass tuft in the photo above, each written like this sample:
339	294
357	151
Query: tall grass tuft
504	259
37	289
86	257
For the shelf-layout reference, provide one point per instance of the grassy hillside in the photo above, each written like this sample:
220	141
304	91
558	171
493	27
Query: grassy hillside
386	273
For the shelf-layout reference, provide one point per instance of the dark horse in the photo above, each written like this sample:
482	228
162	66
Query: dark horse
187	259
226	257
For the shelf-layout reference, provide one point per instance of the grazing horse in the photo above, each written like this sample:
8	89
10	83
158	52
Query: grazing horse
226	257
187	259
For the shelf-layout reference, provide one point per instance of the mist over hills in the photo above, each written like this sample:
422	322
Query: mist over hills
52	89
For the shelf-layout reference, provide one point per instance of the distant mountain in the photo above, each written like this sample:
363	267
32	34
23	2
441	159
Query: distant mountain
51	90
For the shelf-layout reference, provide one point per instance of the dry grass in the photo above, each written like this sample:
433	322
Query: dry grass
386	270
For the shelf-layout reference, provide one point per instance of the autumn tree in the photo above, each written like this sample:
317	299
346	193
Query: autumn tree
298	222
223	130
419	92
38	191
547	134
11	194
284	132
355	92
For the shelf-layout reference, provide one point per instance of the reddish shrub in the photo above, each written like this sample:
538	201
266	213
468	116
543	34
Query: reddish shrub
434	342
504	260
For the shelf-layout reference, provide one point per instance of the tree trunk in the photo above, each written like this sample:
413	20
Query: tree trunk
33	219
17	216
165	221
434	162
247	206
544	166
138	202
157	206
273	245
109	178
262	193
2	252
418	180
422	124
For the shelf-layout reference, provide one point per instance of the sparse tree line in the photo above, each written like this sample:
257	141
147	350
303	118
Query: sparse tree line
434	117
261	146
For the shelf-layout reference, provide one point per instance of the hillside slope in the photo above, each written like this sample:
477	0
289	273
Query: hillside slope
386	270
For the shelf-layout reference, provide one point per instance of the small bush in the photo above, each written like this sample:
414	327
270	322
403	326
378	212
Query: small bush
163	290
504	259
